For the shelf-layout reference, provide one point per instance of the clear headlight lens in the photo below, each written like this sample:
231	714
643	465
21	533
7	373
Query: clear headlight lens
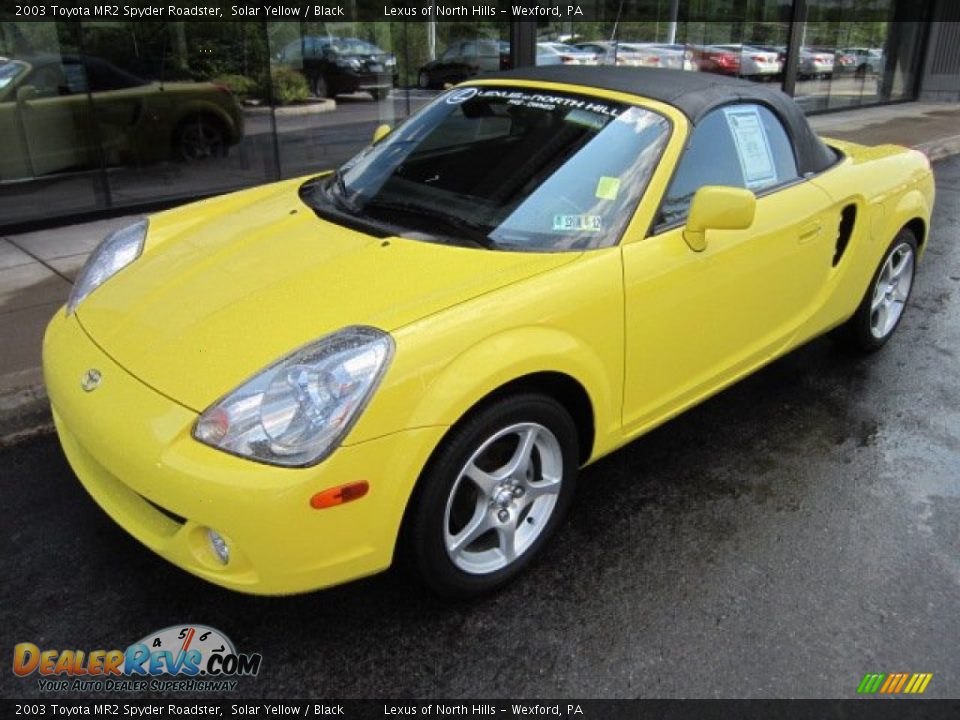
117	250
297	411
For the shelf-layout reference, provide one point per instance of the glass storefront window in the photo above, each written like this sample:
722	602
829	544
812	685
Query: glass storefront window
51	153
846	63
103	114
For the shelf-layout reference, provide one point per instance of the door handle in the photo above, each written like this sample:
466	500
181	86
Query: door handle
809	232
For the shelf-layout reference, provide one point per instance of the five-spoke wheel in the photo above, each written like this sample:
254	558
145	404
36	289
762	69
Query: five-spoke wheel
891	290
882	306
493	494
503	498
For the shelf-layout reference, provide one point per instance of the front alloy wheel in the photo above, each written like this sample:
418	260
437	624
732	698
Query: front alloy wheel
503	498
493	495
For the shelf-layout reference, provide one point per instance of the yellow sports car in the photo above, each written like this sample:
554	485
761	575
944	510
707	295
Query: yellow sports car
62	112
287	387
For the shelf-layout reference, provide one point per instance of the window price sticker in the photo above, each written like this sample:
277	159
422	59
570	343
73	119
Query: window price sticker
753	147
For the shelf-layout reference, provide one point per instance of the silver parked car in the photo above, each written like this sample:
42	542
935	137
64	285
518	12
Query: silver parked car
866	61
816	63
663	55
609	52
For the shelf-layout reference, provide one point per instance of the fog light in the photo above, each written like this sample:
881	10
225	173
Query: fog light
219	546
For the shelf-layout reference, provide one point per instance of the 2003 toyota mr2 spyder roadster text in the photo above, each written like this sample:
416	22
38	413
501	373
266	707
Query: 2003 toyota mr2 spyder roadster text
283	388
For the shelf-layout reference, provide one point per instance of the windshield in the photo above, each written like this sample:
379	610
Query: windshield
506	167
10	70
353	46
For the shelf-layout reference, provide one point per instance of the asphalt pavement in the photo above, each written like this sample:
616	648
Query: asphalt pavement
788	536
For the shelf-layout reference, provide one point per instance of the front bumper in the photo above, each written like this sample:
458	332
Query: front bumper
132	450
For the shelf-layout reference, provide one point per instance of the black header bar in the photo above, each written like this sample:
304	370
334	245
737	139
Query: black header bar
441	11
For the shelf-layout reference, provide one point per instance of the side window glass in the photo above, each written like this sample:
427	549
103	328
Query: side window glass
76	77
47	79
740	146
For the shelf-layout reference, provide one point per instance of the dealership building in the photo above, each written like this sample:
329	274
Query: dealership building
103	116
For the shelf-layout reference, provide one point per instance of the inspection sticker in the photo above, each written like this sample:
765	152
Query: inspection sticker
577	223
608	188
753	146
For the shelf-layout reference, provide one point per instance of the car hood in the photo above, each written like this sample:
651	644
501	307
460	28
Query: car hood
227	286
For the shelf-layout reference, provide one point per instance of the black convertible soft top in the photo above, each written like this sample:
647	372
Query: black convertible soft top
694	94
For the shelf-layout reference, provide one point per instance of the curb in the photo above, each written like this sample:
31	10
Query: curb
306	108
25	409
940	148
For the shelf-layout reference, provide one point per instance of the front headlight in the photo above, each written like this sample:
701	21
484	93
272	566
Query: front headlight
117	250
297	411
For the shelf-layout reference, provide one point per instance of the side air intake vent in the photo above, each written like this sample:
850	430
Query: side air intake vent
847	220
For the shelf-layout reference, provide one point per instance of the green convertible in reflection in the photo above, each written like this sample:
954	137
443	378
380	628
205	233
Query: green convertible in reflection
48	104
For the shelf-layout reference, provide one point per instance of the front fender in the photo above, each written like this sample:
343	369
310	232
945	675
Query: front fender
567	319
495	361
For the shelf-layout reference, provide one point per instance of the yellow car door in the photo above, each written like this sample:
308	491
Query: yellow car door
698	320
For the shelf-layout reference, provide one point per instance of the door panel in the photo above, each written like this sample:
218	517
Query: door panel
697	321
53	128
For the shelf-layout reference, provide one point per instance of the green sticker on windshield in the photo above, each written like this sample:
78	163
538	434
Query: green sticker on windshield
607	188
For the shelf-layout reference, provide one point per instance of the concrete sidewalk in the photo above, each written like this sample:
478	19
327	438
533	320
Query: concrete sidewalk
37	269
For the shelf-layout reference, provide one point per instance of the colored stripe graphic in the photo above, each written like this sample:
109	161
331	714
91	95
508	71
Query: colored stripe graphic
870	683
894	683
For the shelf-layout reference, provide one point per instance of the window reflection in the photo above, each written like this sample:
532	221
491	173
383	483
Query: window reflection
106	114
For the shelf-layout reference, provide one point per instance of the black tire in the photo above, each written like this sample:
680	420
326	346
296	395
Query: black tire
861	71
200	137
380	93
319	87
859	332
441	487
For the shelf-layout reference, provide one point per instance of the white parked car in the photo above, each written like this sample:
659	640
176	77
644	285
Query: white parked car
558	53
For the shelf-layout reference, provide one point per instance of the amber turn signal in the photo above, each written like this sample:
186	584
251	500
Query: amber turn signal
339	495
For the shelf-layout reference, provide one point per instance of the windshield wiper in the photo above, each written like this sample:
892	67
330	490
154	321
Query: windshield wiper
337	191
463	229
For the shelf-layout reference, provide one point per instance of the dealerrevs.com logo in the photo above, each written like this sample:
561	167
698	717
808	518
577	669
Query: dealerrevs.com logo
180	658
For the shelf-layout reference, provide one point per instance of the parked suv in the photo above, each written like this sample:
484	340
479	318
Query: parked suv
334	65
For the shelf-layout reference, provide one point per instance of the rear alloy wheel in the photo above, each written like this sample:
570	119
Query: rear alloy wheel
883	304
494	494
200	138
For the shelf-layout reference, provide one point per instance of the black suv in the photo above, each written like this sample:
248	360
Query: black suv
335	65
